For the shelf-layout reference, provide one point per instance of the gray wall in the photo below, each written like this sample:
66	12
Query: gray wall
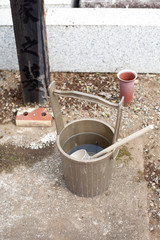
121	3
96	40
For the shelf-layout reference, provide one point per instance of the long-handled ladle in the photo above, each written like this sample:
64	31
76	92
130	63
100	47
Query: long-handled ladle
83	155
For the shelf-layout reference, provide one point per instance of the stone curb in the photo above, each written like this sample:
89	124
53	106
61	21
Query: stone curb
93	40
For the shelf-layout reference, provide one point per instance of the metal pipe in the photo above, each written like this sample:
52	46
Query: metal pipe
75	3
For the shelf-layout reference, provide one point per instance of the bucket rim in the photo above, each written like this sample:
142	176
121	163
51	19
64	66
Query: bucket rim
89	160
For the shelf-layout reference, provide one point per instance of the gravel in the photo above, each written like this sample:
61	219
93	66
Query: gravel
144	110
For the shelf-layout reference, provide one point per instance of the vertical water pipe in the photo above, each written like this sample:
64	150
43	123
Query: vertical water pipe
75	3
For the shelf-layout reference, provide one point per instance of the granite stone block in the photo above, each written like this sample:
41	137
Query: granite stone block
93	40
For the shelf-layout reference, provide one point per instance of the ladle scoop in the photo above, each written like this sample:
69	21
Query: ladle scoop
83	155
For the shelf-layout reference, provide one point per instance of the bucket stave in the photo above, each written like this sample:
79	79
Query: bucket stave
90	177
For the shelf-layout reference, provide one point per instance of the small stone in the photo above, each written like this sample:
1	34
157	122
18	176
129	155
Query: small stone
153	211
7	120
14	110
146	150
95	222
158	214
156	180
105	94
152	204
151	227
136	81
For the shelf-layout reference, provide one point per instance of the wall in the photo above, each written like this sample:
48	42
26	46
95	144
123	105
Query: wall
121	3
93	40
48	3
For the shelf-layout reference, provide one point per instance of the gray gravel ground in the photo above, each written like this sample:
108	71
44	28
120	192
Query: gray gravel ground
144	110
35	204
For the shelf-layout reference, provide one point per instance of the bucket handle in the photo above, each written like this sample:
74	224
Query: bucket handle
84	96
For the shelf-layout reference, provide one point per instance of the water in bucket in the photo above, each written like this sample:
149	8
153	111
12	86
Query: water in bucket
91	142
90	148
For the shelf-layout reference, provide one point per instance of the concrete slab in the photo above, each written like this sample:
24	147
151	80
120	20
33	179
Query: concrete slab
57	3
103	17
93	40
121	3
4	3
102	40
35	203
48	3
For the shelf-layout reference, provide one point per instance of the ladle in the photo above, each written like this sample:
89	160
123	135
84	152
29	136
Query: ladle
83	155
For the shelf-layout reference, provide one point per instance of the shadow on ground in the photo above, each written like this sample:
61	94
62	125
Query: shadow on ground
13	156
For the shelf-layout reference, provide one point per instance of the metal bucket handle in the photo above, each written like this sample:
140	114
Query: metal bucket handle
84	96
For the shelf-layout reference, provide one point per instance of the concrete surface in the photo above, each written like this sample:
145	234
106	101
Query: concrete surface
96	3
120	3
101	40
93	40
35	204
48	3
57	3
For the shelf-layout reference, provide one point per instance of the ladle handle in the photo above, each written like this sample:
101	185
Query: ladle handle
84	96
123	141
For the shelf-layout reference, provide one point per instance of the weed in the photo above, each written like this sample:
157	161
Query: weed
140	175
124	155
12	158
